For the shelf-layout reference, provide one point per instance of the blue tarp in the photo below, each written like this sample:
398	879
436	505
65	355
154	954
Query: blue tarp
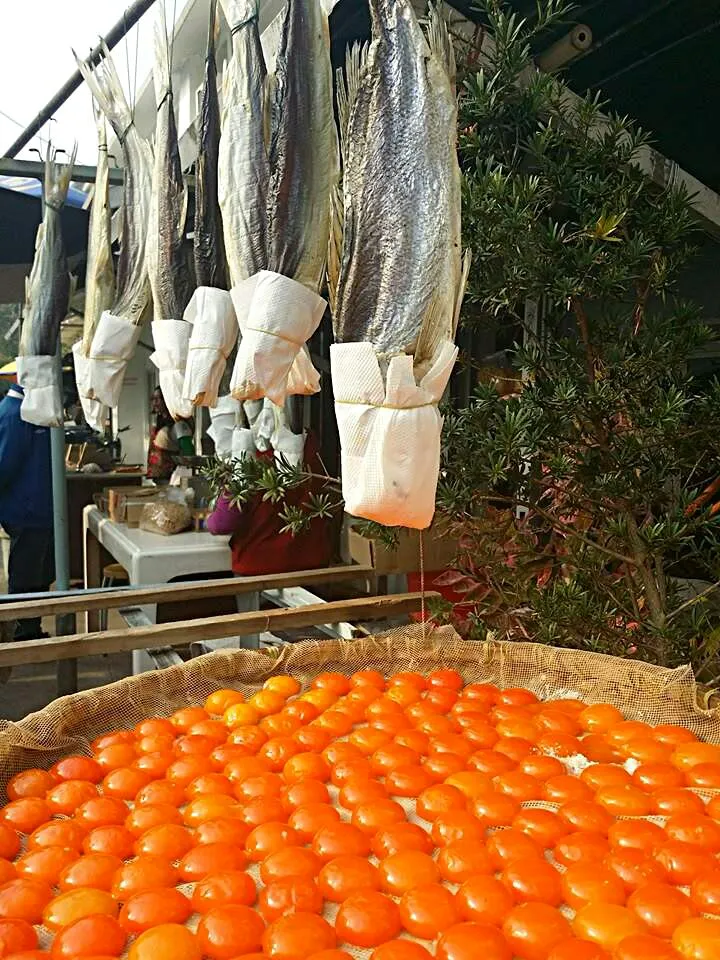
33	188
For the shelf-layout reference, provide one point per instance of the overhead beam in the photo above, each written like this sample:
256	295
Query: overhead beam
128	20
35	169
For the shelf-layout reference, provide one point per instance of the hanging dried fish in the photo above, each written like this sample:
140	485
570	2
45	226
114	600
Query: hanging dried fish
132	284
166	258
400	265
279	309
243	170
210	310
395	275
47	293
118	329
208	244
99	275
168	267
47	289
304	160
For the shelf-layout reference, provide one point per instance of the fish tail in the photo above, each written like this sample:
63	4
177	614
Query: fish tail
348	86
239	12
439	40
100	125
57	178
462	286
161	69
212	32
335	243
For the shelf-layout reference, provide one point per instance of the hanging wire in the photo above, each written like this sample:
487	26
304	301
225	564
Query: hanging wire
135	78
422	585
127	59
171	51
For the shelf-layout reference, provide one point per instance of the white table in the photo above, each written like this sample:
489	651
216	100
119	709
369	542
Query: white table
150	558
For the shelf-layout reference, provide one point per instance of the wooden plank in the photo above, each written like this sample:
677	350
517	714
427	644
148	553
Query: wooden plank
189	590
209	628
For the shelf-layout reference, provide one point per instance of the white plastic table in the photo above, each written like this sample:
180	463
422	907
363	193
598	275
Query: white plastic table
150	558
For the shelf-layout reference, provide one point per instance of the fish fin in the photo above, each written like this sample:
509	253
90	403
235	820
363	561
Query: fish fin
335	243
439	41
100	125
213	31
348	86
106	88
57	178
462	286
161	67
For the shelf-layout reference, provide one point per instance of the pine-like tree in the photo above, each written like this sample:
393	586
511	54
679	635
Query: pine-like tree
579	499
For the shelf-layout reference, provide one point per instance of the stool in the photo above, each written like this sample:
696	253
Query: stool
114	574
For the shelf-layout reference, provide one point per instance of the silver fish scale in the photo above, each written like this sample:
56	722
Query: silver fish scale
398	186
167	261
208	246
304	159
132	289
99	276
243	170
168	264
48	286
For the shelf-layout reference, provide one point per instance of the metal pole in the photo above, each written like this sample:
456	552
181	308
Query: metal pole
64	625
112	38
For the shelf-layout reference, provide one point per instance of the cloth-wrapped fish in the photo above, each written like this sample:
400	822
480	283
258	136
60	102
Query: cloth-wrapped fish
396	278
167	261
280	207
47	293
99	276
210	310
118	329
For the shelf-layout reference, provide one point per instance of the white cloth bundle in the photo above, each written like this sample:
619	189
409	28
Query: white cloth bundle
172	339
243	444
214	332
112	346
262	424
276	316
389	433
41	380
94	411
288	447
222	423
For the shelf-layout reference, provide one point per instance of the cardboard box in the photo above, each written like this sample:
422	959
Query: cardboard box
438	552
118	498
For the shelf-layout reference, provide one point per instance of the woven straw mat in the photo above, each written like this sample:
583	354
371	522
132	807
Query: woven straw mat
640	690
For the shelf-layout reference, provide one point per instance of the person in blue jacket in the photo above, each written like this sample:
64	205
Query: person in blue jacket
26	510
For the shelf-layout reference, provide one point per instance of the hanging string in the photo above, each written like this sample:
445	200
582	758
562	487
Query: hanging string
135	78
422	584
171	53
127	61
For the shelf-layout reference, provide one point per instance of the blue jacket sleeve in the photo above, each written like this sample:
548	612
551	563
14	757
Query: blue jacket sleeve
14	449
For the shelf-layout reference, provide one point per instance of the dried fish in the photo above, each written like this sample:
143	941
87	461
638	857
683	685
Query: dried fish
304	160
100	274
208	245
47	292
400	264
133	292
243	170
47	289
167	262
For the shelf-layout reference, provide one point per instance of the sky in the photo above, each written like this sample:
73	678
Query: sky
36	60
